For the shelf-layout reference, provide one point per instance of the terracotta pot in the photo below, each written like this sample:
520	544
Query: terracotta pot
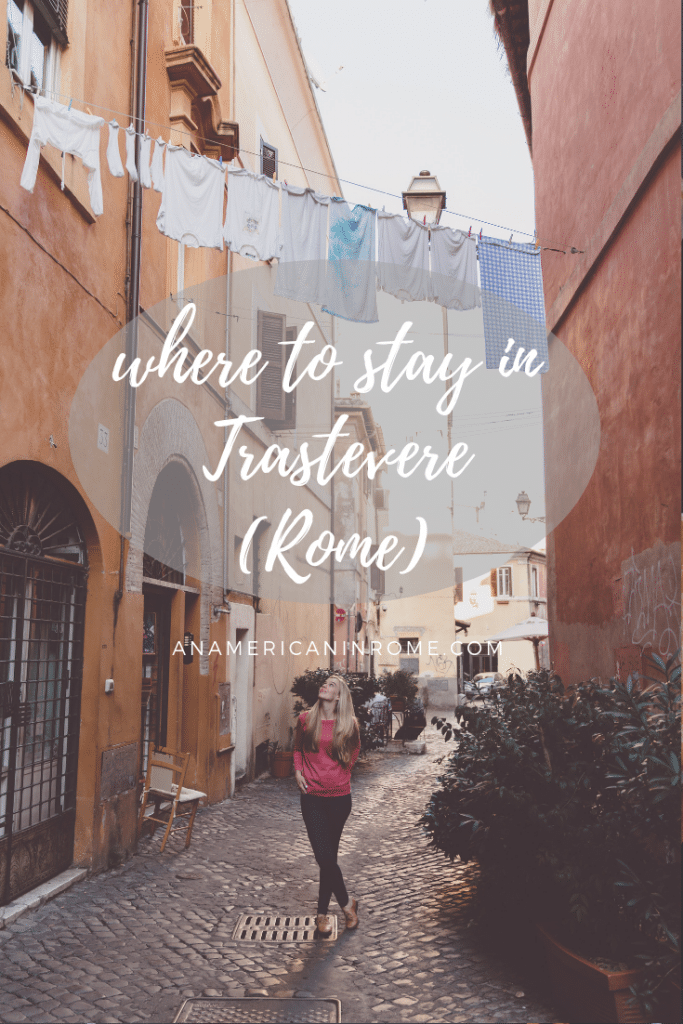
589	994
281	764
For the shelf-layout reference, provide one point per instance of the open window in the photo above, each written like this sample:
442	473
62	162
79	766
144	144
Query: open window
268	160
36	29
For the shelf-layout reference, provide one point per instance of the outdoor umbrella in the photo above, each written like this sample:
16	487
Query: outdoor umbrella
533	629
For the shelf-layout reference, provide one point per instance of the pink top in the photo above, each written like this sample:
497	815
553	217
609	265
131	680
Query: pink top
324	776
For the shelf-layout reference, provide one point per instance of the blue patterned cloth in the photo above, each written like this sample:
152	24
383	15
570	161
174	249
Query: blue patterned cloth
350	284
512	301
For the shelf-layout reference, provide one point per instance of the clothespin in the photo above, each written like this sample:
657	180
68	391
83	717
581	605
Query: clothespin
510	240
424	220
274	176
70	102
220	161
469	233
480	234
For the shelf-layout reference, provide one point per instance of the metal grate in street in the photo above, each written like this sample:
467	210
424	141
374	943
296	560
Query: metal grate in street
279	928
257	1010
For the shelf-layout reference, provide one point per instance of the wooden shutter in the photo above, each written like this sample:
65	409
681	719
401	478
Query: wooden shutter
458	590
268	160
270	398
494	582
291	334
55	13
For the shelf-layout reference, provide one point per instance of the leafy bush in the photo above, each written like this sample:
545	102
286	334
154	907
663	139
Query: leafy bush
571	802
398	684
363	688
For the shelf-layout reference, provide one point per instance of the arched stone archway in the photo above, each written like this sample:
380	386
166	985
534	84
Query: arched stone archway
170	435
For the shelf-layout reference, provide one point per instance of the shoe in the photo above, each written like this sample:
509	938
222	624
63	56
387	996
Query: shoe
351	915
323	925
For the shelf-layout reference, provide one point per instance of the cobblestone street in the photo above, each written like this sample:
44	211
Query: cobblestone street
129	945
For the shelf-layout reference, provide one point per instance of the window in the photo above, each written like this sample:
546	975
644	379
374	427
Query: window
186	13
534	582
409	645
376	574
34	28
268	160
505	581
458	589
277	407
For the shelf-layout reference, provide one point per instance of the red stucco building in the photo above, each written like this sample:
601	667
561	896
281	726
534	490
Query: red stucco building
598	87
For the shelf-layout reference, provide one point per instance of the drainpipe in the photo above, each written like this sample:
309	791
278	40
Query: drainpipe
133	295
332	561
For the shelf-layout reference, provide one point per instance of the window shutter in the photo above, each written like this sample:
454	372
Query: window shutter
291	334
270	398
494	583
458	592
268	160
56	14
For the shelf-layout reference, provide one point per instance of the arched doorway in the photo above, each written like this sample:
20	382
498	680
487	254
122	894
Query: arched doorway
43	572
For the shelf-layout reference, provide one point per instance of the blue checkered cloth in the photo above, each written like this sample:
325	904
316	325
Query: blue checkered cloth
512	301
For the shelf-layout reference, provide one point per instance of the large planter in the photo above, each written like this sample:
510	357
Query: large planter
586	993
281	764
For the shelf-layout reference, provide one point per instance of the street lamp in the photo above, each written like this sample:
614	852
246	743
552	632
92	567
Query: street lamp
423	199
523	502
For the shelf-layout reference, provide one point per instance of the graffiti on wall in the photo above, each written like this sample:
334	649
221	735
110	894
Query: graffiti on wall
652	602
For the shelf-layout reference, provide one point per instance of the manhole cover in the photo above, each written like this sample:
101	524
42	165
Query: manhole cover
279	928
246	1010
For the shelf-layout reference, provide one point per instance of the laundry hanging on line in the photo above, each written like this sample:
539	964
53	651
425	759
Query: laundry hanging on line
453	281
131	166
512	301
70	131
157	169
191	209
402	257
350	289
253	215
145	158
113	153
301	268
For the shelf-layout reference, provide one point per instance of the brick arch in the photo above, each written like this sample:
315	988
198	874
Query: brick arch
171	434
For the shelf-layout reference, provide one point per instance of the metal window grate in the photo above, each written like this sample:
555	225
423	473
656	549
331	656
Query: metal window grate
255	1009
279	928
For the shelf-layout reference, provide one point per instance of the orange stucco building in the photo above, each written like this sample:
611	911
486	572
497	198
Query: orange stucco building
599	94
81	607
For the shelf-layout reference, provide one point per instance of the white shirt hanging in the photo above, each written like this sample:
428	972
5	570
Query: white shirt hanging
145	157
252	217
191	208
454	269
301	270
403	257
70	131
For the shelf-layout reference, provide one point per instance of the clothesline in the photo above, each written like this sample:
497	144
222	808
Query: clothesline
171	128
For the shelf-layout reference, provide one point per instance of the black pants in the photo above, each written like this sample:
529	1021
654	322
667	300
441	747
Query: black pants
325	817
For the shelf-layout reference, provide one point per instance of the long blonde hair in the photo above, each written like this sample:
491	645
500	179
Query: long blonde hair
346	734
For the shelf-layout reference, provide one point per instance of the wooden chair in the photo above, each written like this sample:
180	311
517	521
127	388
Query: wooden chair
164	785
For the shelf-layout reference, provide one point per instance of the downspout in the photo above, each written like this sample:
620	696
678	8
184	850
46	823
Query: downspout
133	295
332	561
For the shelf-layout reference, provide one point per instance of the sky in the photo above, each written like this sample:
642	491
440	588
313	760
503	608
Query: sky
423	86
415	85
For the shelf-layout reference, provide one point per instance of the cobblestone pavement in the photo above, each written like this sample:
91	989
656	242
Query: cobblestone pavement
130	944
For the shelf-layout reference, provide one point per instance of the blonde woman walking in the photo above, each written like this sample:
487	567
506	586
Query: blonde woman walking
326	745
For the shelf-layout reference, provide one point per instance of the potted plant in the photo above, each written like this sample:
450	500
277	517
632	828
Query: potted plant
281	761
570	803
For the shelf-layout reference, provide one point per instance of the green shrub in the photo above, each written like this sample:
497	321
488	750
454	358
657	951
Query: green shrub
398	684
571	801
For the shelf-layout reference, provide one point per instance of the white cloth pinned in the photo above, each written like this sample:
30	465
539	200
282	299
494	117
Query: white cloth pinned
191	208
145	157
301	270
70	131
158	165
403	257
252	217
454	269
130	153
113	153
